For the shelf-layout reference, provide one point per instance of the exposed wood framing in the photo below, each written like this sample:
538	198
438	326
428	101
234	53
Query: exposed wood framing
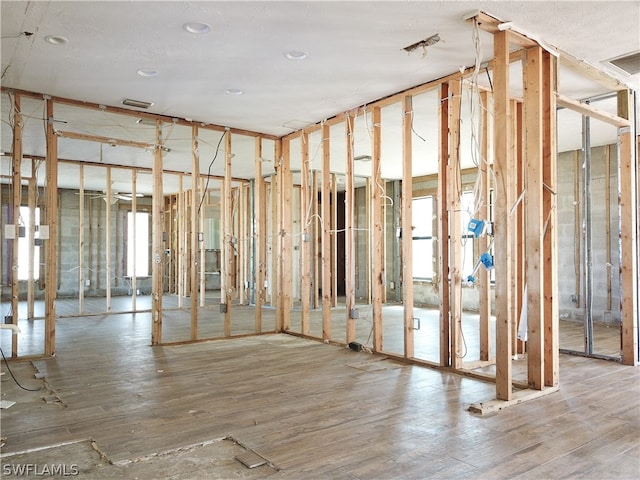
203	264
443	227
551	326
228	239
589	71
514	171
334	239
502	218
242	219
259	237
327	274
532	71
496	26
484	280
586	109
195	211
134	209
628	175
494	406
377	240
107	140
176	222
51	245
349	233
518	232
367	277
406	227
368	241
316	232
107	240
454	207
138	114
81	244
274	265
305	240
286	239
31	228
16	201
157	240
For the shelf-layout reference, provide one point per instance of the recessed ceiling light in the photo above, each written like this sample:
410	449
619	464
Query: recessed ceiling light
55	40
146	121
197	27
147	72
233	91
296	55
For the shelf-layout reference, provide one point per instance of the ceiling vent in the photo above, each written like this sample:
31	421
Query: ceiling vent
136	103
629	63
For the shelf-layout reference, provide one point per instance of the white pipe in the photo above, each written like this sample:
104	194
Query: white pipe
12	327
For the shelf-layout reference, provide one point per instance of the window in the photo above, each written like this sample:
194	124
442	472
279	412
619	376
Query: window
422	235
423	247
23	245
138	250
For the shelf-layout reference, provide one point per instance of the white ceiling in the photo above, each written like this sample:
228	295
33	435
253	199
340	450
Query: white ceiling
355	56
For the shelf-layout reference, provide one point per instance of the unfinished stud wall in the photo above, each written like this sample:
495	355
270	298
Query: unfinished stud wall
95	255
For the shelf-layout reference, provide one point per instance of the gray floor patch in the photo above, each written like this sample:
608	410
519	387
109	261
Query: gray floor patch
218	459
251	460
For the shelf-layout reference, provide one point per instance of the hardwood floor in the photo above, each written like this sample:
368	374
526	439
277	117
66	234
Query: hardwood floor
177	324
315	411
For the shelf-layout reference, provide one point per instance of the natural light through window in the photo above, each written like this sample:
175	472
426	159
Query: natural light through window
422	221
138	249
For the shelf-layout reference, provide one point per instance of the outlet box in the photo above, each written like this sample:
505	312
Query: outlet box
354	313
223	308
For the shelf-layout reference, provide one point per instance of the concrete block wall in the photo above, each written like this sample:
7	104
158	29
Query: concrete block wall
95	254
568	290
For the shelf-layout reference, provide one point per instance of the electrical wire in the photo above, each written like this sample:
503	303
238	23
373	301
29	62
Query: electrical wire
206	186
414	131
14	377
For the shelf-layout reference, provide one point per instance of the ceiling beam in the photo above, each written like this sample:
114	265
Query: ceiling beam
586	109
491	24
137	113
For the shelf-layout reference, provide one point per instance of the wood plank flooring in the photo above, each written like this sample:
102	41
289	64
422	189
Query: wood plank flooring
316	411
177	324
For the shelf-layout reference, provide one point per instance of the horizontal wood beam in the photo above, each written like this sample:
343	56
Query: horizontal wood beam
589	71
491	24
115	165
138	114
520	396
494	25
586	109
107	140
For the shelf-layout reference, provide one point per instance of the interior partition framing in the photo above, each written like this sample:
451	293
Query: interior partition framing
520	128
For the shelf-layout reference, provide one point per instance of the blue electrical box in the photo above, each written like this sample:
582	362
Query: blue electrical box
476	227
